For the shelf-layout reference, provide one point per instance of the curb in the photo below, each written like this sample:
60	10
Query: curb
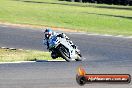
4	48
10	48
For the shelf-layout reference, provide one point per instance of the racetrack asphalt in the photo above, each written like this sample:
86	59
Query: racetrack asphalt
103	55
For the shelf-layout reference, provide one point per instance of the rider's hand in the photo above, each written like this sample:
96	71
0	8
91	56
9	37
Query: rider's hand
60	35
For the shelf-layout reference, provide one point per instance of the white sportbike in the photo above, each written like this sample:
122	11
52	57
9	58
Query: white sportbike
61	47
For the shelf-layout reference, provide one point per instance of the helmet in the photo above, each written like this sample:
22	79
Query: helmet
48	33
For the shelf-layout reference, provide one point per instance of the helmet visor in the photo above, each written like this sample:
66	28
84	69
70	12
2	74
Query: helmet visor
47	36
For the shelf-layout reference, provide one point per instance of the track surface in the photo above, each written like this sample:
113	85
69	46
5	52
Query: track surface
103	55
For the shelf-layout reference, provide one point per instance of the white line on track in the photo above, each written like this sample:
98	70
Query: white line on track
103	35
17	62
32	61
56	60
3	26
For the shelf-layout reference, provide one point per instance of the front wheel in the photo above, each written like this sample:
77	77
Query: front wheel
65	54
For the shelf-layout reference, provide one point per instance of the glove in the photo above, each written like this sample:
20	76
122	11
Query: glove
60	35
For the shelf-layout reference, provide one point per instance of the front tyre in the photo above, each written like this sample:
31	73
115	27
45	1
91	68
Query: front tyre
65	54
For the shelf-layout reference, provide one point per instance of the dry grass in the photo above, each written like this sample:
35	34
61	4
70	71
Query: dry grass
7	55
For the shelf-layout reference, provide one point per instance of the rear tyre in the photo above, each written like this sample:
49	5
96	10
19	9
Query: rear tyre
54	54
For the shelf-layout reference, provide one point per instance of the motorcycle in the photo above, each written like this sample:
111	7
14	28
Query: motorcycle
61	47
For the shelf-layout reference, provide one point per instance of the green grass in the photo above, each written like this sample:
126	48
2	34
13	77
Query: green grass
93	18
7	55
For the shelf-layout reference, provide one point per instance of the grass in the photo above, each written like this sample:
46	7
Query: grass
93	18
7	55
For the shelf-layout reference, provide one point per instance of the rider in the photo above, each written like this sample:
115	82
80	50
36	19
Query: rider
48	33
